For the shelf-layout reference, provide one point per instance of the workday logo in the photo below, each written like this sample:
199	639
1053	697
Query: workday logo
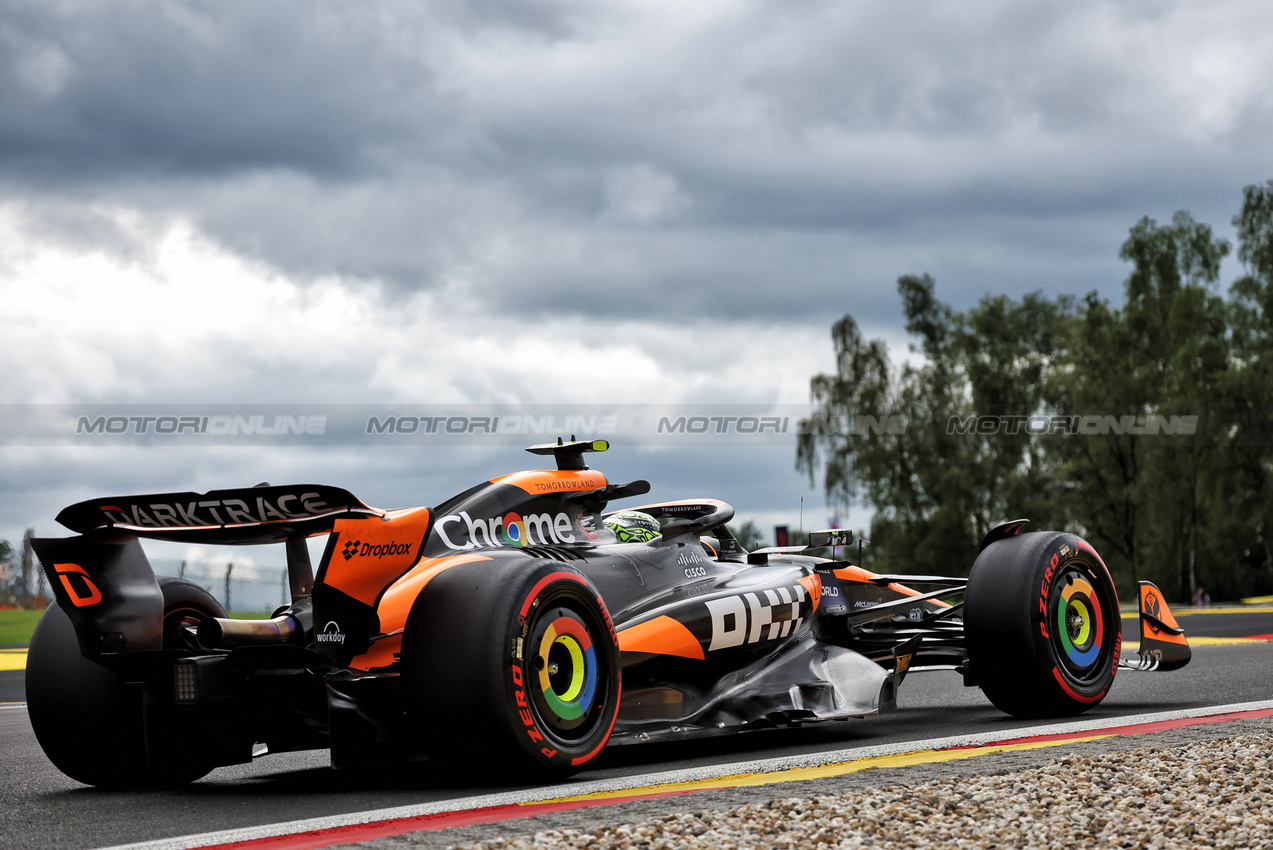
331	633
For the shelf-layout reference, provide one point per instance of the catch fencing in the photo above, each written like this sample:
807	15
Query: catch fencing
243	586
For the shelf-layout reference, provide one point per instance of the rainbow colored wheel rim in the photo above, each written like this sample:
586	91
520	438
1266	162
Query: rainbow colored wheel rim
565	660
1079	622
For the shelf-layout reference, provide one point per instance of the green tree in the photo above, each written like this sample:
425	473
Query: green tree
938	484
749	535
1160	354
1249	495
1182	506
6	586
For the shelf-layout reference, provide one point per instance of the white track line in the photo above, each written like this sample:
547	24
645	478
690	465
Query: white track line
772	765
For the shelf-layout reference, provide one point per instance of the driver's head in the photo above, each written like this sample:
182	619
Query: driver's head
632	526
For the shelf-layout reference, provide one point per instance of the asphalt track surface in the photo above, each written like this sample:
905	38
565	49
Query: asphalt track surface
41	808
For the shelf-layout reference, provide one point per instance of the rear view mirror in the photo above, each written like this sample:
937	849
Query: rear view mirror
831	537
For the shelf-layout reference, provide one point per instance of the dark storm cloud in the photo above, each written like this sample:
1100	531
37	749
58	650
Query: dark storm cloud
143	90
765	159
427	202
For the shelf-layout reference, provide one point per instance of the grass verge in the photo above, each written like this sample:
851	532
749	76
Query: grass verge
16	625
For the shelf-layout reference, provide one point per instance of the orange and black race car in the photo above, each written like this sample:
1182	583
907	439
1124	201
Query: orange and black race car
509	626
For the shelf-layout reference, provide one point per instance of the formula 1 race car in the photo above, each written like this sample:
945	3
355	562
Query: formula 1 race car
509	626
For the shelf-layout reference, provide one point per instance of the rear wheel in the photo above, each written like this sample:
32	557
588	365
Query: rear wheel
186	604
86	723
512	666
1042	624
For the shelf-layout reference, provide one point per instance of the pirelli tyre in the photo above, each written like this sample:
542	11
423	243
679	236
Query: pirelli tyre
512	666
85	721
1042	625
186	604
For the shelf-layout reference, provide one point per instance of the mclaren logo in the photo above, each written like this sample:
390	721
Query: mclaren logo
1152	608
331	633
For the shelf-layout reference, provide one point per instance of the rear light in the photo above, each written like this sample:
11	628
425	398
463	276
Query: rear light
201	678
185	681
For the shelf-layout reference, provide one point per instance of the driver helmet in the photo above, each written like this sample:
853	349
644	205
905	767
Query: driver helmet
632	526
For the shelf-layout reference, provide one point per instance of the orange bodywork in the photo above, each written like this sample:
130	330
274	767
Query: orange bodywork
382	653
384	551
813	585
396	604
377	550
538	482
1151	602
661	636
867	577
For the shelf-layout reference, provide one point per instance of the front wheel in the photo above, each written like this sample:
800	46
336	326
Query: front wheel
512	666
1042	625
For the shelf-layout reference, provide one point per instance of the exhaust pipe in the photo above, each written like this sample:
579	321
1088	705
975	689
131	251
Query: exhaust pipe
219	633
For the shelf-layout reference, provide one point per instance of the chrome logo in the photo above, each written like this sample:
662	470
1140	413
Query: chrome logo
514	529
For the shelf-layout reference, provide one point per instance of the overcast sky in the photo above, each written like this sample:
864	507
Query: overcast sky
495	203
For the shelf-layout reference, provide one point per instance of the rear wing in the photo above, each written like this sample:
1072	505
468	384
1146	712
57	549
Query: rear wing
105	584
245	516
